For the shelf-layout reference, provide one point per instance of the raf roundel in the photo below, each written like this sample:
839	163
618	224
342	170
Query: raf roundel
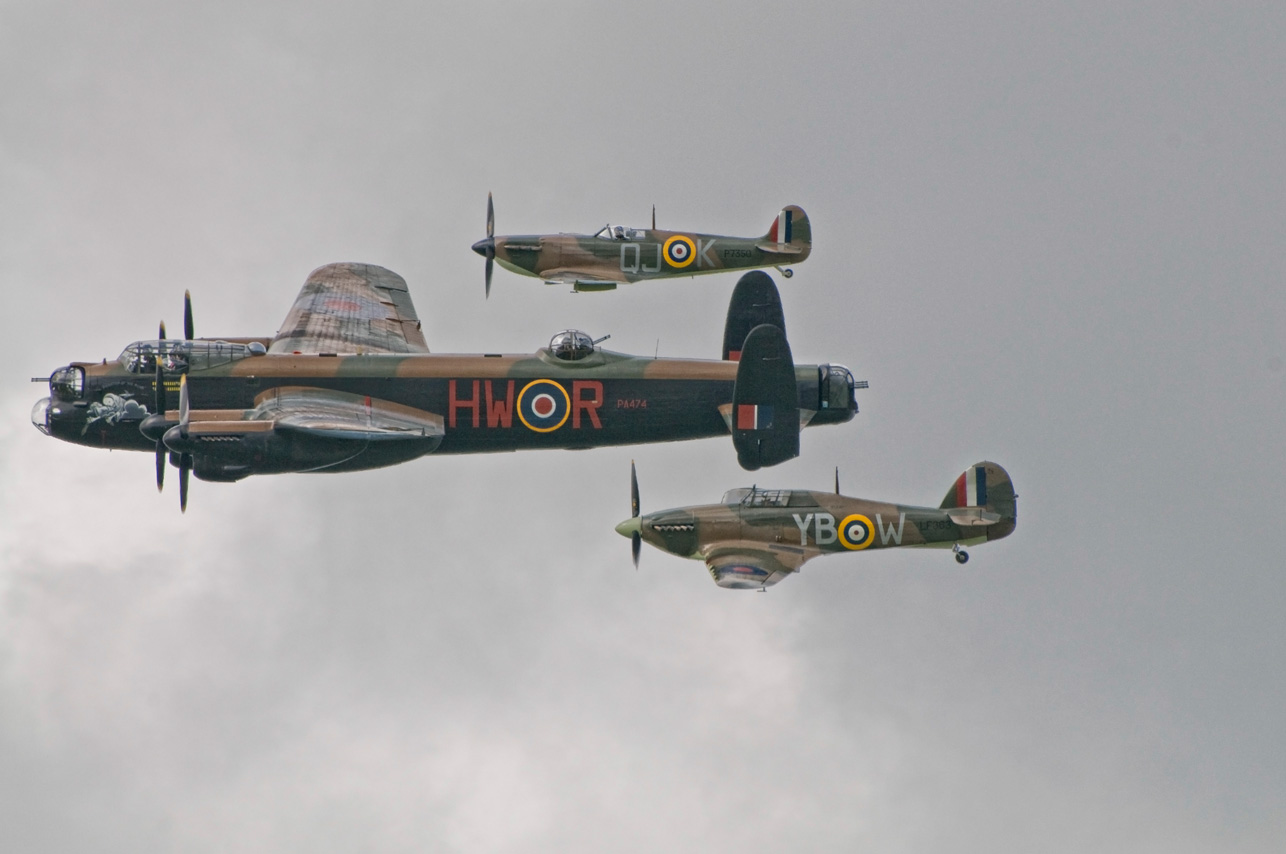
856	532
679	251
543	405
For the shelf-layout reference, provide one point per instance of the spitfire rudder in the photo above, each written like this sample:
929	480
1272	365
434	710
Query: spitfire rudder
790	228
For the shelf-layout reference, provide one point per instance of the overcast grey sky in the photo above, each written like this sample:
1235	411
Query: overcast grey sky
1047	235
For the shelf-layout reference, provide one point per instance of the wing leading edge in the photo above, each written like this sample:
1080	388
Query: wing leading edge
351	308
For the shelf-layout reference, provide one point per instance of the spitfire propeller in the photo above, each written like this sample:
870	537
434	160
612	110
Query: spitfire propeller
487	246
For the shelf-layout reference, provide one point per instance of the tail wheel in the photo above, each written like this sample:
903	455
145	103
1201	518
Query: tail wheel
788	272
962	557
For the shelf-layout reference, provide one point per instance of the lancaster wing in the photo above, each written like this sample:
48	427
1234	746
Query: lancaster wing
340	415
351	309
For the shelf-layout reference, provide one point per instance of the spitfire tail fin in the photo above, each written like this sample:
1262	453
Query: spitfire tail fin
988	486
789	234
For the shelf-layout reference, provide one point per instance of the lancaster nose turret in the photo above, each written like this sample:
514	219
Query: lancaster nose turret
40	415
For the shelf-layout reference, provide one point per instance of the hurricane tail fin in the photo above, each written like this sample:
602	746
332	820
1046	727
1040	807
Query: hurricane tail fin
985	485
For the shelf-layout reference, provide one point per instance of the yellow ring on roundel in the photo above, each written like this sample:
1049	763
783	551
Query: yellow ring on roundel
566	400
843	532
680	262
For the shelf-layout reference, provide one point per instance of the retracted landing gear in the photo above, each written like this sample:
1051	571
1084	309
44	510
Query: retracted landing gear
962	556
785	271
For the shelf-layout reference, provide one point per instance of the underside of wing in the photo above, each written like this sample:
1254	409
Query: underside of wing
582	281
340	415
351	308
740	568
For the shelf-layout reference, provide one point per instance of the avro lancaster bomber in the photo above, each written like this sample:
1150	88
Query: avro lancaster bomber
348	383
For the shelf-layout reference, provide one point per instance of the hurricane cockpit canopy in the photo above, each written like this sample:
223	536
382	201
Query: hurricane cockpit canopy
177	355
753	496
571	345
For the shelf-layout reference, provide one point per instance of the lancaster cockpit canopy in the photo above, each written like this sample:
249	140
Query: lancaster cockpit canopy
178	356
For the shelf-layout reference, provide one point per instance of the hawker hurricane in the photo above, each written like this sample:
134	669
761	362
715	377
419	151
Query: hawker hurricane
756	537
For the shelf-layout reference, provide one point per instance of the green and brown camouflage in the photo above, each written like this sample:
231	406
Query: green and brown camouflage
617	255
756	537
349	384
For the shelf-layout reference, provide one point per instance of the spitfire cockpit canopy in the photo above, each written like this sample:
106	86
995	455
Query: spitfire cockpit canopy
752	496
571	345
178	356
617	232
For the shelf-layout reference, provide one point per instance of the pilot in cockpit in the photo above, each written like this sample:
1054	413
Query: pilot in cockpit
619	232
146	361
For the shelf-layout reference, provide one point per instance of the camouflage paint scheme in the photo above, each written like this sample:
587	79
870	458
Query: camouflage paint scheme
756	537
348	384
617	255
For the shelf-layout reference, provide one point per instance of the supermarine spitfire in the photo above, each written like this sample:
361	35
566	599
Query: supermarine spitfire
348	383
616	255
756	537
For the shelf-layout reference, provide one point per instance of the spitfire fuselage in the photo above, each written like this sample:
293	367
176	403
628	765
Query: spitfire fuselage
642	254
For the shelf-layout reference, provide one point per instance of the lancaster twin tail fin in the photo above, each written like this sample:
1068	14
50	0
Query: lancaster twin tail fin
755	301
765	400
789	235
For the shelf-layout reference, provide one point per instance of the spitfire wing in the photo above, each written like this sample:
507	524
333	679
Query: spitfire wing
340	415
582	280
351	308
